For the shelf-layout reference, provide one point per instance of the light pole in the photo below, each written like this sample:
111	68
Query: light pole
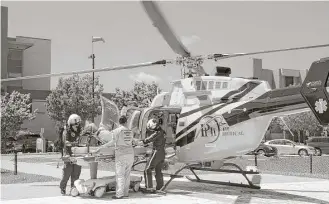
92	56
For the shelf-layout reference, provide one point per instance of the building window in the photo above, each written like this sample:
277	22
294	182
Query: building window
14	74
289	81
211	85
218	85
14	63
297	81
15	54
10	89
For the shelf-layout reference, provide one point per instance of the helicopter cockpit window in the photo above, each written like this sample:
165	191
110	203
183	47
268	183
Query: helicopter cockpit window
211	85
198	85
204	85
225	85
186	139
218	84
173	118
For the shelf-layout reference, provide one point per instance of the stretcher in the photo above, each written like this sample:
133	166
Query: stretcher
98	186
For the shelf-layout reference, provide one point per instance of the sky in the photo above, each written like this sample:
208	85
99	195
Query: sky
204	26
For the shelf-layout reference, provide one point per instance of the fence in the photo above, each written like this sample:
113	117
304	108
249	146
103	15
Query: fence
316	165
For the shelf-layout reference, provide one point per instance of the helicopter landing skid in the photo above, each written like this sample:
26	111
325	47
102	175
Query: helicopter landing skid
194	167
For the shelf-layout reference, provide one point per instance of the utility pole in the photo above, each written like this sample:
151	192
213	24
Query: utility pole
93	67
92	56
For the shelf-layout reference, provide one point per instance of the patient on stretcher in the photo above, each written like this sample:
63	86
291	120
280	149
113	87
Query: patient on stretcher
106	136
95	138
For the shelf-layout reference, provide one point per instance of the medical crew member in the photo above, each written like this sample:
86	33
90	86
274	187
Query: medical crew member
124	156
70	135
157	159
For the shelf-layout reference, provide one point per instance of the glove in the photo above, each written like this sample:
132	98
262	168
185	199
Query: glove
73	160
96	151
140	143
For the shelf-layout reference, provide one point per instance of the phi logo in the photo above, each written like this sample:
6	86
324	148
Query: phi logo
210	127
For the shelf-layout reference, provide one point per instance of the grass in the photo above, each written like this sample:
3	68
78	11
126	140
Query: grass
292	166
8	177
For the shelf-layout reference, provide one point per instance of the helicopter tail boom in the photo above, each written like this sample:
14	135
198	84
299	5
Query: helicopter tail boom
312	95
315	90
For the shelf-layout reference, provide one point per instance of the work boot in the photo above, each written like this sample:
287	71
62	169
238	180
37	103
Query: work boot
148	190
160	192
115	197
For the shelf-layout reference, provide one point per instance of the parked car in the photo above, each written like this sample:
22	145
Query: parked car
29	141
321	145
14	146
287	147
265	150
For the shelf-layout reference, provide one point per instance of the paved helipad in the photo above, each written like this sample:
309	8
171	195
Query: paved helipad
276	189
280	190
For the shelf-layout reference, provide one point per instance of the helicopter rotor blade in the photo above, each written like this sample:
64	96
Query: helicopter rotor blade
225	56
153	11
107	69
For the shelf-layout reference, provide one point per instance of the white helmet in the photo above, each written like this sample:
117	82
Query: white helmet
74	119
152	124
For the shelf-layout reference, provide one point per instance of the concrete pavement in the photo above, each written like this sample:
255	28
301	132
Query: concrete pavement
275	189
180	192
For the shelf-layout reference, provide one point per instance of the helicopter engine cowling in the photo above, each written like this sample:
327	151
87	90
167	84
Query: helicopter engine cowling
223	71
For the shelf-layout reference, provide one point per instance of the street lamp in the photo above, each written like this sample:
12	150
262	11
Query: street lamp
92	56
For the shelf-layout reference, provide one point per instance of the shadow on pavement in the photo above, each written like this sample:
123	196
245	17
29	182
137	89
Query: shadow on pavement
301	191
108	196
244	195
211	192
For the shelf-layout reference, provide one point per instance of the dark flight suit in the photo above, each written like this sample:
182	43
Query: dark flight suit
70	169
157	159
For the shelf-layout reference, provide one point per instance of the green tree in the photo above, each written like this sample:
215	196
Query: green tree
15	109
140	96
74	95
276	125
298	124
144	93
123	98
302	122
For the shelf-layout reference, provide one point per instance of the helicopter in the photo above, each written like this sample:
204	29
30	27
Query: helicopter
214	118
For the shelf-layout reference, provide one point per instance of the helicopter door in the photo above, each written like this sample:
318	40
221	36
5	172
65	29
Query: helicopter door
110	114
149	114
171	128
145	119
315	90
133	122
168	119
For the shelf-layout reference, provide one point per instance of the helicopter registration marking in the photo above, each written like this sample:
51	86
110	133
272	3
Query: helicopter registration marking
210	145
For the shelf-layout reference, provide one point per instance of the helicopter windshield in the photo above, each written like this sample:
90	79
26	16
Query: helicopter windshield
177	96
